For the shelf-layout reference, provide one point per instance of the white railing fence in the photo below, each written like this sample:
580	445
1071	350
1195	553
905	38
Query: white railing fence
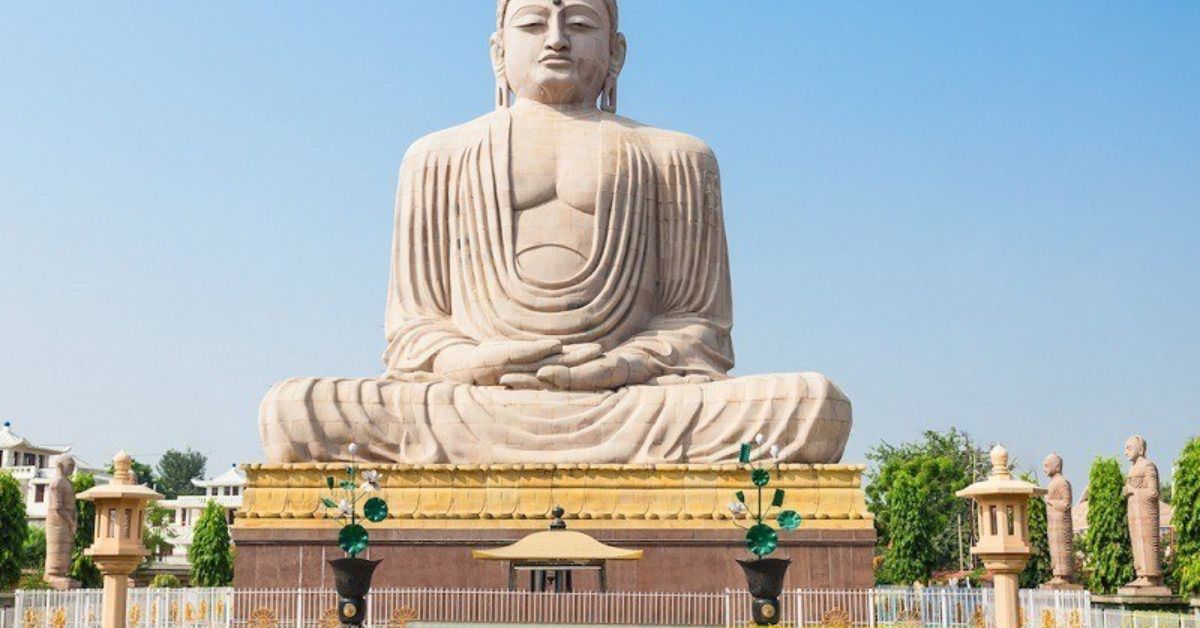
1109	618
315	608
932	607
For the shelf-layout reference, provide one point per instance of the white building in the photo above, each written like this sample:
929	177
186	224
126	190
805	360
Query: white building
225	489
29	464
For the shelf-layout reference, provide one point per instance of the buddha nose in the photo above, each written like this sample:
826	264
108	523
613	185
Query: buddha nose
556	39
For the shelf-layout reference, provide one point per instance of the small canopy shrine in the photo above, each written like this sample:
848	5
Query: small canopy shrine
552	557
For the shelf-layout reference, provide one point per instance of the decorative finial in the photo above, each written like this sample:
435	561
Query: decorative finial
999	457
558	524
122	465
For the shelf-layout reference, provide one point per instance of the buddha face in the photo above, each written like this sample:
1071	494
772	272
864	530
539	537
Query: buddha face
1052	465
1135	448
557	51
66	466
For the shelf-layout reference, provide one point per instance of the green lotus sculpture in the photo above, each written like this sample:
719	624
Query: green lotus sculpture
344	506
761	538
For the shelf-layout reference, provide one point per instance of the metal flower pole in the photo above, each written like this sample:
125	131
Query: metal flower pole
764	576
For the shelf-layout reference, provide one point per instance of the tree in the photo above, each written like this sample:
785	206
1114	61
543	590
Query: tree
142	473
13	530
210	553
1186	519
177	469
158	532
1039	569
82	567
34	549
1109	557
910	555
962	462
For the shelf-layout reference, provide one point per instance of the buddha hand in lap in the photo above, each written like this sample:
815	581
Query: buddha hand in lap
560	288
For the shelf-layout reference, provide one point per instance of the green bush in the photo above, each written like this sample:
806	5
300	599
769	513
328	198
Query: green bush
210	553
956	462
1186	520
1109	557
34	549
1039	569
13	531
33	581
165	581
83	569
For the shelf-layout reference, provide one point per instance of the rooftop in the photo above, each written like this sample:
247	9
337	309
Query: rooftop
233	477
11	440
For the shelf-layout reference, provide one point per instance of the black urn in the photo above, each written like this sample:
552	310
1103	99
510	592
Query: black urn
764	578
352	579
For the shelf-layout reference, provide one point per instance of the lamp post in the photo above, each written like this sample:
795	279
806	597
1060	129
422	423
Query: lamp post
1003	531
117	545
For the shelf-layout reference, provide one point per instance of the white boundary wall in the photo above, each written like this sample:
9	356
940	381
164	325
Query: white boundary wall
313	608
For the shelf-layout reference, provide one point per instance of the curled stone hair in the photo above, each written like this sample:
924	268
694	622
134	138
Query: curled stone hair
608	97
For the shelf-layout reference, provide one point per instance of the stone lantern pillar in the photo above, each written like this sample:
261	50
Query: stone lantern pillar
117	545
1003	532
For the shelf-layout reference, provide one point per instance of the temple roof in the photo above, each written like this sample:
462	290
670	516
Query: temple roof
232	477
12	440
558	546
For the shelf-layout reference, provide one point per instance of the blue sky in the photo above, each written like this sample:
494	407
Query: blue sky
975	214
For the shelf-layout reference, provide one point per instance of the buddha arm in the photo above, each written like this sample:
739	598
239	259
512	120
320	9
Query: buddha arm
418	304
690	333
1147	489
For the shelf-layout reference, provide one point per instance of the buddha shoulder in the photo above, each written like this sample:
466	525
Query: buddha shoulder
450	141
665	144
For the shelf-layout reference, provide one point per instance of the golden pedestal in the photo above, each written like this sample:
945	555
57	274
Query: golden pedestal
678	513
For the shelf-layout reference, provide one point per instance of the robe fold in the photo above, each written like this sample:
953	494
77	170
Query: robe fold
656	283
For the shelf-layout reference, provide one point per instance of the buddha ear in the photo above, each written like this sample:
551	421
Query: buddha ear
496	47
617	61
608	98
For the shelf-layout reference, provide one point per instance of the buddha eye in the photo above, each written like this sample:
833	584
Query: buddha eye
582	24
531	26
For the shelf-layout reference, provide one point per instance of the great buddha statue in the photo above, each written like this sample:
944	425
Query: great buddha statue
560	289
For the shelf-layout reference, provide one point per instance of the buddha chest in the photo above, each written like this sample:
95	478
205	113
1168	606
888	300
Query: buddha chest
557	181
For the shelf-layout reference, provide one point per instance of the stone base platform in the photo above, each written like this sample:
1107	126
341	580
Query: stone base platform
678	514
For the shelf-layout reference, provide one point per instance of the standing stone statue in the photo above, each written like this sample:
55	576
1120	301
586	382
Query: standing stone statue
1142	498
60	524
1059	527
560	288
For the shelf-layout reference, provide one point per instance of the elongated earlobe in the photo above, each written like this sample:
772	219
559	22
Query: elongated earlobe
608	98
503	99
503	94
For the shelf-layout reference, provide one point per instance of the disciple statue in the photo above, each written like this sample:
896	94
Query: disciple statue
1059	527
1142	496
60	524
560	288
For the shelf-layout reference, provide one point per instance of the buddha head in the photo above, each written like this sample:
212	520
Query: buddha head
1135	448
64	466
1052	465
557	52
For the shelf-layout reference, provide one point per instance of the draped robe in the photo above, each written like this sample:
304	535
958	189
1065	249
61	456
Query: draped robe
1059	527
1143	517
656	284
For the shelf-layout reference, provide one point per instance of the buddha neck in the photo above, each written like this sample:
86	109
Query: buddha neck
525	106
